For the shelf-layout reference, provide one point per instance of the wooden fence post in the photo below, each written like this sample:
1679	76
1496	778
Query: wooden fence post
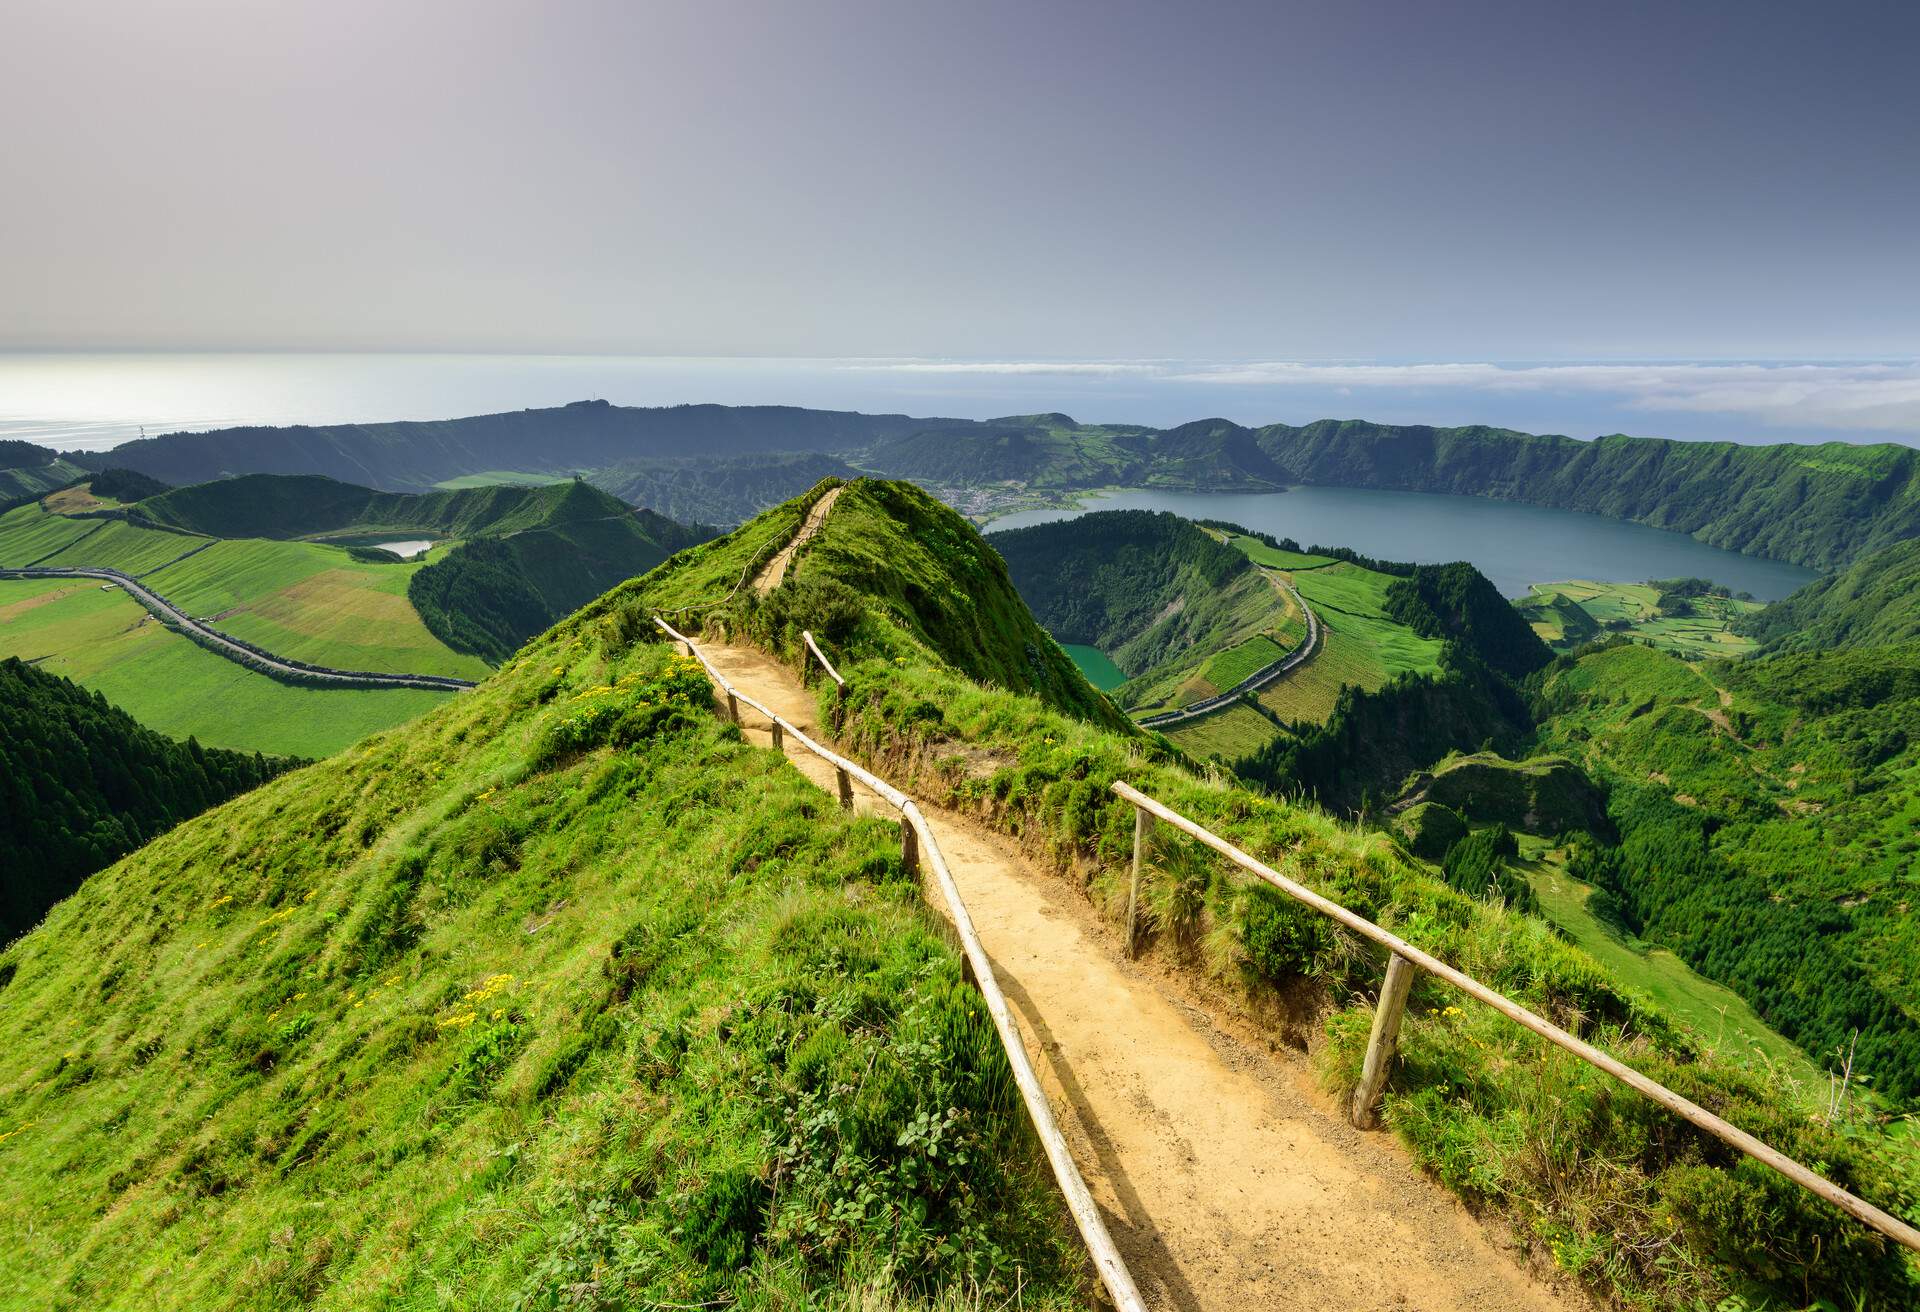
733	706
779	737
846	787
1381	1042
909	847
1140	823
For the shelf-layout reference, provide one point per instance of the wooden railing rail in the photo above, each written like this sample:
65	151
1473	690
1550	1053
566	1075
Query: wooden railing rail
917	843
821	656
1393	995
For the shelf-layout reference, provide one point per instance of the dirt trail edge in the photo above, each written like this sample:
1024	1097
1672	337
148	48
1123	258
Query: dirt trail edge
776	570
1226	1181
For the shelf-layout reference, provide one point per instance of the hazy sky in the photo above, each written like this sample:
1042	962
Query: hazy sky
1528	181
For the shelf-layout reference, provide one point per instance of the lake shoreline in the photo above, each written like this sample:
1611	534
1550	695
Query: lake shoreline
1515	544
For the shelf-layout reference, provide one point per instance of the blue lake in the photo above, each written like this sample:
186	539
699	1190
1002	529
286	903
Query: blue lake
1512	544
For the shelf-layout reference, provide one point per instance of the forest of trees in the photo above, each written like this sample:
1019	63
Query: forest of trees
1108	578
125	485
82	784
1785	956
480	600
15	454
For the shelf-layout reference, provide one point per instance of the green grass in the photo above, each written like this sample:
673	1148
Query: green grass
129	548
1724	1022
1100	670
299	600
313	603
1242	661
1359	644
1273	557
1225	735
1251	617
105	641
564	997
499	478
29	532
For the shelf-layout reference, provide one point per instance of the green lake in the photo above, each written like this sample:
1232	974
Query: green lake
1101	672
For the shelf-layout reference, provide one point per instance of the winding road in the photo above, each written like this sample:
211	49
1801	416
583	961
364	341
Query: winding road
1260	678
242	653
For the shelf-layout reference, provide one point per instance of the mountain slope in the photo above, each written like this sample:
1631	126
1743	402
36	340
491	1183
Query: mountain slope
562	996
311	505
1873	602
82	783
493	593
1158	594
723	491
1766	810
1813	505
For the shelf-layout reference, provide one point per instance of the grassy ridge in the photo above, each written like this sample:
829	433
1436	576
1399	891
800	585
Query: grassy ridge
562	997
107	642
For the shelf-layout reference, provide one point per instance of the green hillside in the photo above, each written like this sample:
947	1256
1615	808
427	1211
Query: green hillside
27	470
563	993
718	491
1605	1187
312	506
531	554
1873	602
81	783
301	600
491	594
1768	813
414	456
1184	615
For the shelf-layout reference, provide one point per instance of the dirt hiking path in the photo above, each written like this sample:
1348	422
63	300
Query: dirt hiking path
1225	1179
776	570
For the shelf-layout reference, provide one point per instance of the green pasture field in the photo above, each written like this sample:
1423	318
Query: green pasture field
107	642
300	600
1721	1018
1705	634
1262	614
499	478
1242	661
1228	734
1359	644
28	533
129	548
312	603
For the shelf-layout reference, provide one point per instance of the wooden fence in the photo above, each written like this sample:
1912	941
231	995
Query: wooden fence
919	847
1404	959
